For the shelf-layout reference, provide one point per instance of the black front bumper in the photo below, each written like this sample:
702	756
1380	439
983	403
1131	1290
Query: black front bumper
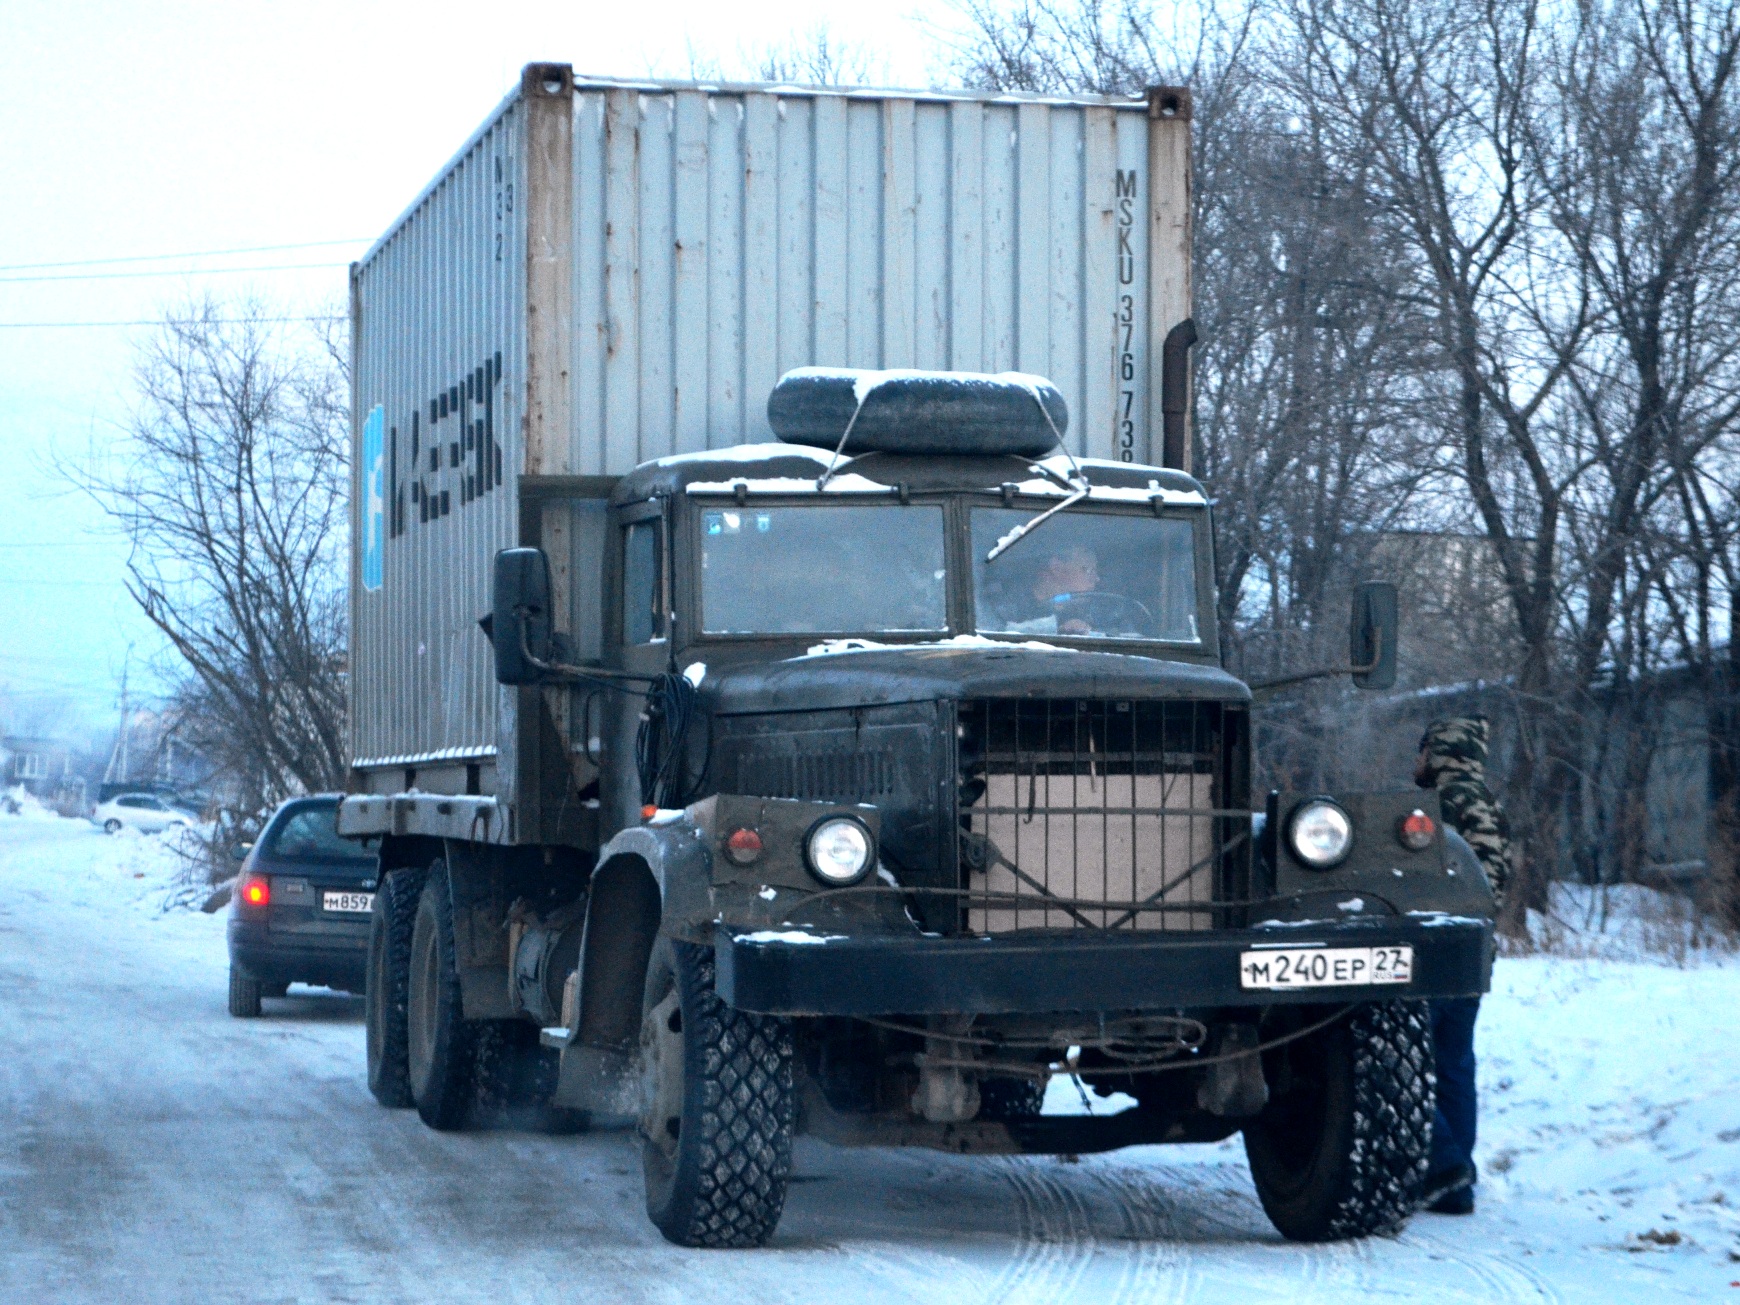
1080	971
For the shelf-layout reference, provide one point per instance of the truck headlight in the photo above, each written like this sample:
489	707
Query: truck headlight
839	850
1320	833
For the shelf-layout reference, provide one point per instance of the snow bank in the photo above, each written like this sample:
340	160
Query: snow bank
1624	922
19	803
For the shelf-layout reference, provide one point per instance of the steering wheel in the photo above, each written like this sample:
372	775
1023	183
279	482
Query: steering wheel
1099	598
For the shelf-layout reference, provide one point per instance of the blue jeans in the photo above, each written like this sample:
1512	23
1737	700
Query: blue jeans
1453	1126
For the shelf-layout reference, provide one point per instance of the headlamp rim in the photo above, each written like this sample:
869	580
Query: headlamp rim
1298	814
869	843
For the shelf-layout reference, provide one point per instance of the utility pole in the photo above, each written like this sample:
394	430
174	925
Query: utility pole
118	760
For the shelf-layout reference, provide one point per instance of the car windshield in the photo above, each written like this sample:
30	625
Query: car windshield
1092	575
823	569
311	834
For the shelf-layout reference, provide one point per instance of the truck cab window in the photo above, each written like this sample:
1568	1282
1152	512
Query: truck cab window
642	617
1092	575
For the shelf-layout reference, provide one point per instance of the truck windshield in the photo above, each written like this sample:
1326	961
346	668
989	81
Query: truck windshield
823	569
1086	574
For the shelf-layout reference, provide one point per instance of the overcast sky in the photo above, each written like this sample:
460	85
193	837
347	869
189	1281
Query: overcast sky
134	130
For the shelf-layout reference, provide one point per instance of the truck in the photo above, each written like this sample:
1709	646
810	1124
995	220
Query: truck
785	680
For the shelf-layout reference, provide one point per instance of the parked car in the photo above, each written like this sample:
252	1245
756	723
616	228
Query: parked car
145	812
299	912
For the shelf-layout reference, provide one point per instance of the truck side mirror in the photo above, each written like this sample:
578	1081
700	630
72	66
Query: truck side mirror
1372	636
519	621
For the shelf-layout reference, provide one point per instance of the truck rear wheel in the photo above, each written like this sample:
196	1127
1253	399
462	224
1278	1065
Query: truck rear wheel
387	989
720	1108
1341	1149
516	1079
440	1042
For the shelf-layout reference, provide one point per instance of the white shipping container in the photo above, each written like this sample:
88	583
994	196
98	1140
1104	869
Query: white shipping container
614	271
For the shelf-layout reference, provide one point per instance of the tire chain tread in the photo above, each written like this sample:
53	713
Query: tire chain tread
747	1119
514	1071
1394	1098
404	888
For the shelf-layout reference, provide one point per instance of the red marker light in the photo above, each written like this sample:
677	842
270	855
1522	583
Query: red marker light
1416	831
257	892
648	811
743	846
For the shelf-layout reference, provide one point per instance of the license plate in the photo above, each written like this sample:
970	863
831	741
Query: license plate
348	903
1325	967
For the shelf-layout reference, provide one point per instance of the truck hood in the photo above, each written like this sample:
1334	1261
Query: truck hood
870	676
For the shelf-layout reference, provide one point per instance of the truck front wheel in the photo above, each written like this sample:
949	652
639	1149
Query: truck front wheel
1341	1149
387	990
719	1107
440	1040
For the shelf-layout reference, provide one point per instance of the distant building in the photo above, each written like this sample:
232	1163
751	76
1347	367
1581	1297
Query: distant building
46	768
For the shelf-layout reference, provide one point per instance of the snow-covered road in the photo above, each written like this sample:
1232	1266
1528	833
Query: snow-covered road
157	1150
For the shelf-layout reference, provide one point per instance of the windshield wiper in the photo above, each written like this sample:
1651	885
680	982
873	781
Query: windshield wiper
1027	527
1078	482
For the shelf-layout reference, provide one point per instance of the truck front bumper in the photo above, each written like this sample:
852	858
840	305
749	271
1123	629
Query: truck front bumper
1078	971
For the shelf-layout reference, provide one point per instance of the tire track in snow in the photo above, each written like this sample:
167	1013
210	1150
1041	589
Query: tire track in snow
1157	1265
1503	1278
1056	1231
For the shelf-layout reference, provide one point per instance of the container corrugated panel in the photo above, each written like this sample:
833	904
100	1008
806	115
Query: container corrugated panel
438	316
724	236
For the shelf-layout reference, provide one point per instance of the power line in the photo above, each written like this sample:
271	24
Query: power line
173	271
58	584
171	321
196	253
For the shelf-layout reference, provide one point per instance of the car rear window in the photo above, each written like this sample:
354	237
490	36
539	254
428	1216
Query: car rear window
311	834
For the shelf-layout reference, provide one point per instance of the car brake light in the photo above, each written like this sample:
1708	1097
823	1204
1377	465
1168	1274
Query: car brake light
257	892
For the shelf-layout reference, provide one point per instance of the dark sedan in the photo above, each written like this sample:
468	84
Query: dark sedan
299	912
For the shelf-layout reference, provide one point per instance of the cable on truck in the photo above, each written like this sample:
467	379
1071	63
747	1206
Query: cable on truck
660	745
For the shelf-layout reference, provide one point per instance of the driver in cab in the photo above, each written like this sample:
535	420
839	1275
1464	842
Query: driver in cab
1068	574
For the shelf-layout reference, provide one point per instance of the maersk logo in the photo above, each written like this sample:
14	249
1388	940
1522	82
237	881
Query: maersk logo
374	496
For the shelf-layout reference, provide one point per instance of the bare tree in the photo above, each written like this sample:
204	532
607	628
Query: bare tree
814	56
817	57
1647	190
230	483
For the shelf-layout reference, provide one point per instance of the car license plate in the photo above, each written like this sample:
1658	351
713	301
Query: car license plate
348	903
1325	967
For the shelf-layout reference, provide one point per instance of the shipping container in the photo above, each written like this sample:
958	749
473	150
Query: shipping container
613	271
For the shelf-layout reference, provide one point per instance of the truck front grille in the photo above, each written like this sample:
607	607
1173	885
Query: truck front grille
1100	814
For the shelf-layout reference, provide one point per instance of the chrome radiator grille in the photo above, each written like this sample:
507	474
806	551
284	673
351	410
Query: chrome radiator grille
1098	814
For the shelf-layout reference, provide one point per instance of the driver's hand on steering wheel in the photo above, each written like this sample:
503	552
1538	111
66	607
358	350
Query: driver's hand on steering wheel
1074	626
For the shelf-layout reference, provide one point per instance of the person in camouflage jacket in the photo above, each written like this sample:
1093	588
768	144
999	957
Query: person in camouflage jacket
1453	761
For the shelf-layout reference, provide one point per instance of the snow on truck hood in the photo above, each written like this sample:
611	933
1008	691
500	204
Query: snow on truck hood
863	673
833	647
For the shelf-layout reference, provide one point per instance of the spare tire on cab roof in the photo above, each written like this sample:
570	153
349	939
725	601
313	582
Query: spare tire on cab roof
961	413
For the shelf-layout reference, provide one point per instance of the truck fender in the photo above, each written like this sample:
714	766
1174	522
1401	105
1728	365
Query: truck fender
638	872
1459	855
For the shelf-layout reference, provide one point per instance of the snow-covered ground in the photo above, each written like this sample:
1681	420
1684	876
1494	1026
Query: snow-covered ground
157	1150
